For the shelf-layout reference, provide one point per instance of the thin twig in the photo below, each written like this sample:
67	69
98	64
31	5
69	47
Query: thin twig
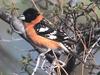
82	63
14	7
85	48
88	53
36	6
61	2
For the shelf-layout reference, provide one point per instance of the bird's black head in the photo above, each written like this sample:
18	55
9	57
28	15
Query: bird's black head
29	15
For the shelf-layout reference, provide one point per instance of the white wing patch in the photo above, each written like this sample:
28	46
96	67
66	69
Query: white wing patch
43	29
52	36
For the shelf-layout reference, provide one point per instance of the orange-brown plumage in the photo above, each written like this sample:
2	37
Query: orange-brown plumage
40	33
39	40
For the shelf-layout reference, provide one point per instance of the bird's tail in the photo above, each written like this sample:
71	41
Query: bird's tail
63	47
67	48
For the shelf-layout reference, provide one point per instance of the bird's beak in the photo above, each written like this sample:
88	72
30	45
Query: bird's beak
21	17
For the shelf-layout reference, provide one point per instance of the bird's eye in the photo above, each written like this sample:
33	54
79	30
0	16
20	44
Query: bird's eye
21	17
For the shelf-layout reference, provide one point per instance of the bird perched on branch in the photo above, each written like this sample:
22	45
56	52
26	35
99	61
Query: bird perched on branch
42	35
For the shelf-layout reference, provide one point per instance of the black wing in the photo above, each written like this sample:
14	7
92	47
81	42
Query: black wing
46	31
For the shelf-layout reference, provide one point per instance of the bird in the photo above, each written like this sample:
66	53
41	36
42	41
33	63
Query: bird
42	35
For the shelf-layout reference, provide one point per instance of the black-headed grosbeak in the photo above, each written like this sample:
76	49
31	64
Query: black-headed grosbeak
40	33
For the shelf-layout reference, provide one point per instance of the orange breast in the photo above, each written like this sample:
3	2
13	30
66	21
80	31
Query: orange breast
39	40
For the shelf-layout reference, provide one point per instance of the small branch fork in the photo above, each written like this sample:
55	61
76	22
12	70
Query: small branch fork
90	50
55	63
42	55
